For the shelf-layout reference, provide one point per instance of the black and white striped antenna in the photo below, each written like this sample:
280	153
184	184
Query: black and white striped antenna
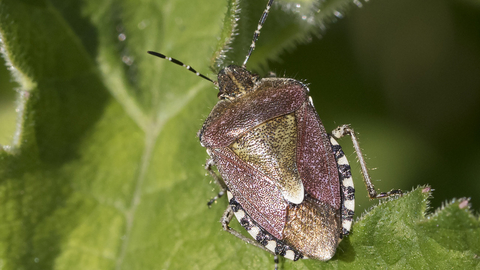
256	34
175	61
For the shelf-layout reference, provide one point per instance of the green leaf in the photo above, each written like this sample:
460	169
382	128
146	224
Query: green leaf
399	234
105	171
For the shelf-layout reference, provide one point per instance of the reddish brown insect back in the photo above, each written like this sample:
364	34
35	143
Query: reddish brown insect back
276	160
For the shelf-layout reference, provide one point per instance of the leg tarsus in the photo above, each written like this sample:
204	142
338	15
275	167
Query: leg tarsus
340	132
392	192
214	199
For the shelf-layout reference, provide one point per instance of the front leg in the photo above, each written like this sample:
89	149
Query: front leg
218	180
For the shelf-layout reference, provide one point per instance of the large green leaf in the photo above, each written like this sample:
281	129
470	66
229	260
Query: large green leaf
105	169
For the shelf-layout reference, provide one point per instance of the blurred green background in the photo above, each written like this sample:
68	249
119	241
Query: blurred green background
405	74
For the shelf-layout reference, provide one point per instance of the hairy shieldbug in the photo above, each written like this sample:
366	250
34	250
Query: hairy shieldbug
288	182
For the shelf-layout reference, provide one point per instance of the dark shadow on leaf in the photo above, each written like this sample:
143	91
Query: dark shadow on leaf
345	251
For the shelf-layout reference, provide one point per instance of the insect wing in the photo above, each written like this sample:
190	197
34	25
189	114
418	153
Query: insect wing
253	190
315	159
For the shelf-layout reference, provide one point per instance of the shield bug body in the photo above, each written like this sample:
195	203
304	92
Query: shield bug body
287	180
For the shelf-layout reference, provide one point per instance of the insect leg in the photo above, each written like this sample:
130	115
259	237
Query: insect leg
225	220
340	132
218	180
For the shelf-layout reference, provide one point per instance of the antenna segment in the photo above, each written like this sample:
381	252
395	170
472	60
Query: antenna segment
257	32
175	61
